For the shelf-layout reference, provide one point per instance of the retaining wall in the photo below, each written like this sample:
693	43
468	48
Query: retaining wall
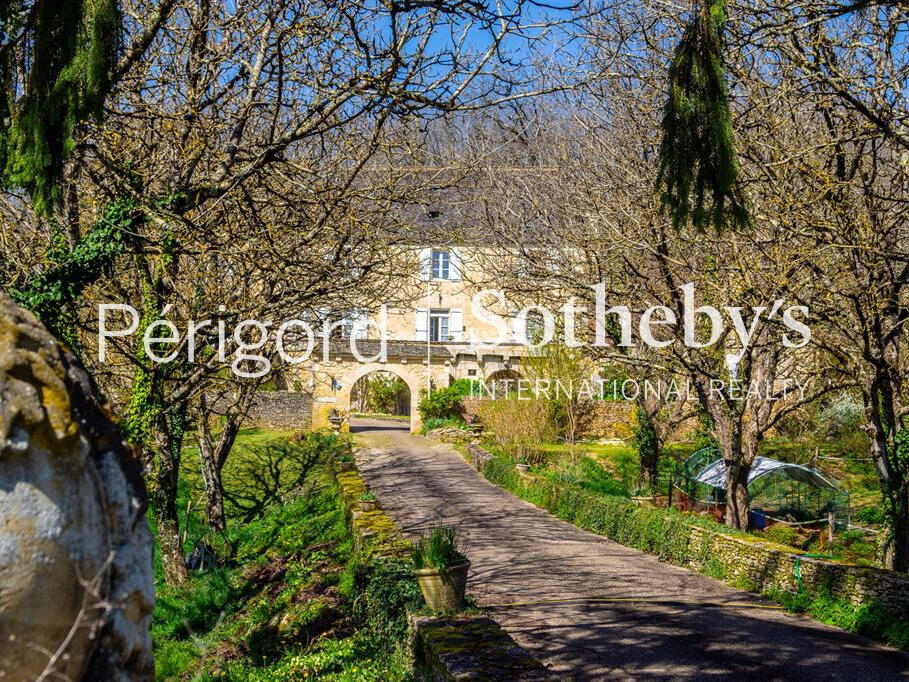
692	541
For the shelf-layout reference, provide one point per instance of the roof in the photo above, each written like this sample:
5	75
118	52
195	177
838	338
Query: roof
714	474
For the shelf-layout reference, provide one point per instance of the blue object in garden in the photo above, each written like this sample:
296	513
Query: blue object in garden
757	520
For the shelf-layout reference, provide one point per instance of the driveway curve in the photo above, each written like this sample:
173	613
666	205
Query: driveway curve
589	608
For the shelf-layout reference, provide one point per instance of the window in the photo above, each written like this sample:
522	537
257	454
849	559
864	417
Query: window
441	264
471	372
439	325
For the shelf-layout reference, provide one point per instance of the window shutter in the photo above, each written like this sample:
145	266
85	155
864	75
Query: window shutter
425	264
455	265
456	324
422	325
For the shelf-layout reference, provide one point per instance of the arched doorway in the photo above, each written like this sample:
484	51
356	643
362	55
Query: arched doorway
380	392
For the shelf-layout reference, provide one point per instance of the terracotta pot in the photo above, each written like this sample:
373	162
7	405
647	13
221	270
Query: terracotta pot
443	590
368	506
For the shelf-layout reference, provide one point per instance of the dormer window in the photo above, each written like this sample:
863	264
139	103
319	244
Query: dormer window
441	264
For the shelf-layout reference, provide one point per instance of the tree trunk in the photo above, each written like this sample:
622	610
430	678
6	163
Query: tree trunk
737	494
214	489
173	559
213	455
896	531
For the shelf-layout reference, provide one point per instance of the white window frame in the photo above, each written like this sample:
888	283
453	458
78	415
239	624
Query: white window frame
440	263
436	317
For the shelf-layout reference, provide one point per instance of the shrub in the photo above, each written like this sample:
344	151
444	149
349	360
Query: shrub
664	532
519	426
870	514
443	423
465	387
444	403
437	549
844	415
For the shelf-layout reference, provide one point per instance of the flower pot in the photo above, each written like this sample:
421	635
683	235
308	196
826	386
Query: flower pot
524	468
443	589
368	506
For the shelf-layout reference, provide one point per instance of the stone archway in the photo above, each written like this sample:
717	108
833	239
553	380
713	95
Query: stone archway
333	382
387	371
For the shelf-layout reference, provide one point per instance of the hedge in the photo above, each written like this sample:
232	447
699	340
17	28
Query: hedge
869	601
664	532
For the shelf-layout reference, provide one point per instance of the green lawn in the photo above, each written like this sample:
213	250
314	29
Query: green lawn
292	600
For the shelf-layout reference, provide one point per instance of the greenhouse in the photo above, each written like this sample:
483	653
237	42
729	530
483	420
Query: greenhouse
781	491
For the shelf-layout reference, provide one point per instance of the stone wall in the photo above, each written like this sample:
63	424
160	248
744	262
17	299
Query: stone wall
276	410
76	581
762	566
610	419
469	648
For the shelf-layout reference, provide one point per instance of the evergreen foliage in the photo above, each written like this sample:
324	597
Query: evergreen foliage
68	50
698	171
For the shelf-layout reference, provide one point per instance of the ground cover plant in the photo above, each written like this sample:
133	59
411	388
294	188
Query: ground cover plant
290	598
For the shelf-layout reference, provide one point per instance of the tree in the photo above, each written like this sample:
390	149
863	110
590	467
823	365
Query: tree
263	153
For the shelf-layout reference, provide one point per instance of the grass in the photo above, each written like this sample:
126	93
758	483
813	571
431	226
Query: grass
294	600
437	549
442	423
611	468
870	619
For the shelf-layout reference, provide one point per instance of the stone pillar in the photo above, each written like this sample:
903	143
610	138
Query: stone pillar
76	582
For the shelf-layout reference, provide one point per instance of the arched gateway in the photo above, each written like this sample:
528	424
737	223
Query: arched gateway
417	364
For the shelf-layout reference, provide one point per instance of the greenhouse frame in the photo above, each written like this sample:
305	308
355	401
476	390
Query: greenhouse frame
783	491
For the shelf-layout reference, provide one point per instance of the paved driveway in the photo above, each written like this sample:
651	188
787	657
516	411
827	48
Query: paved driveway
590	608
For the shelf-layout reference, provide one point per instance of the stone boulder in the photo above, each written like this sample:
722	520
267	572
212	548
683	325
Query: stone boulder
76	583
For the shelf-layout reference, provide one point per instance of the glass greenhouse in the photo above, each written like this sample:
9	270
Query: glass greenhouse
792	493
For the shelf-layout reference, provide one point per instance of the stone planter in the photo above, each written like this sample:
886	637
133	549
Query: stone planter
523	468
368	506
443	590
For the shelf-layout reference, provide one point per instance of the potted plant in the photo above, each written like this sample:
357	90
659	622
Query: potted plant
441	569
367	501
523	465
345	462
